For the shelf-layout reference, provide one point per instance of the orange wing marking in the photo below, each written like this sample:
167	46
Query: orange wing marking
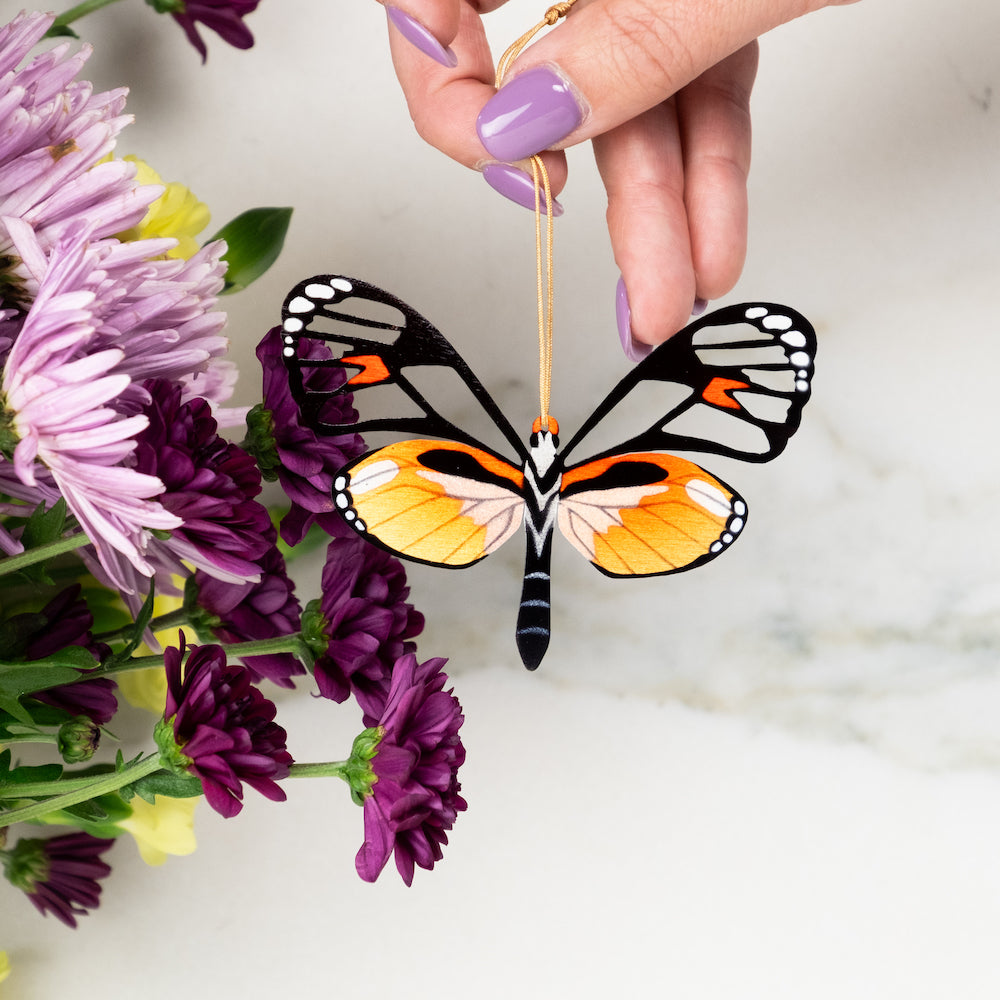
719	391
373	369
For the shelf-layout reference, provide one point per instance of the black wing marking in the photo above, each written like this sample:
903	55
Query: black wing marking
417	343
746	367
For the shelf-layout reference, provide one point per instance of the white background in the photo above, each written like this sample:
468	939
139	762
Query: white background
774	777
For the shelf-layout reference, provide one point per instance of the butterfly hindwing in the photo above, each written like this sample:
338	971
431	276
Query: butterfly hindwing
647	514
438	502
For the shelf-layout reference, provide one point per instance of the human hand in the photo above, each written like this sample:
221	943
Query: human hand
660	87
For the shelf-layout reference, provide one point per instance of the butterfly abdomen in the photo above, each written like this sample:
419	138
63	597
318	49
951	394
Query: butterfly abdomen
534	617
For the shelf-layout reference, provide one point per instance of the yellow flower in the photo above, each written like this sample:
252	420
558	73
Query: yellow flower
148	688
176	213
4	966
166	827
145	688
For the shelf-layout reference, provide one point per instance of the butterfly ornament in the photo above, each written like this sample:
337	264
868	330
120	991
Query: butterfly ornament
732	383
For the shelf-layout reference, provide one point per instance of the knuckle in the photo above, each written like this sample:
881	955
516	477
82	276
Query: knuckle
652	49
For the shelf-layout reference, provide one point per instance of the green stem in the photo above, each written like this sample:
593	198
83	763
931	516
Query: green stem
30	738
330	769
88	789
14	563
169	620
80	10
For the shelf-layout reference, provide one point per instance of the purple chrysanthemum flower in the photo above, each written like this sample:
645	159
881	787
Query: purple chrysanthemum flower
368	623
60	875
218	726
208	483
415	798
224	17
67	622
54	131
305	462
263	610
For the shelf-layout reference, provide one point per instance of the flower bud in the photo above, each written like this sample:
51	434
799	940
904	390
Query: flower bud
78	739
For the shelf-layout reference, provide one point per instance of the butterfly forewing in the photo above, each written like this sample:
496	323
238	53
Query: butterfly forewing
647	514
436	502
374	338
744	374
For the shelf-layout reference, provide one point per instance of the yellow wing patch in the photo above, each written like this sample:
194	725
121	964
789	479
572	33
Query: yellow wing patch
647	514
438	502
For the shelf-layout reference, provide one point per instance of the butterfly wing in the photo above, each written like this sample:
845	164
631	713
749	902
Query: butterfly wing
647	514
740	378
381	337
438	502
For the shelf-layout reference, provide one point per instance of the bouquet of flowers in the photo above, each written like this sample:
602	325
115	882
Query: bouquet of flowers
140	569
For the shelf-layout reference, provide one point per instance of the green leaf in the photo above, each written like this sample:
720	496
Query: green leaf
254	240
18	679
43	527
29	774
174	786
142	619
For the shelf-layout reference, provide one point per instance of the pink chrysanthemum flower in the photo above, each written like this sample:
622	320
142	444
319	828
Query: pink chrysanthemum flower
101	316
54	131
219	727
60	875
415	798
57	405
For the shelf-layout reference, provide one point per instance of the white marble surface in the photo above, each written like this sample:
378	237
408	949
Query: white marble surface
774	777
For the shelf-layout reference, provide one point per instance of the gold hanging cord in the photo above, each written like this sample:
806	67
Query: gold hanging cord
543	262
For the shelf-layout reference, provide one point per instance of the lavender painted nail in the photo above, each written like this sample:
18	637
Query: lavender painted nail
529	114
517	185
634	350
700	305
416	34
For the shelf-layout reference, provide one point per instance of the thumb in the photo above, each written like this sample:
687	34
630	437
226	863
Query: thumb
611	60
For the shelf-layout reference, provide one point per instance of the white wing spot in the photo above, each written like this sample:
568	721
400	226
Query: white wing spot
756	312
801	385
293	325
799	359
740	508
777	322
340	483
300	304
736	524
342	285
708	496
317	291
794	338
373	476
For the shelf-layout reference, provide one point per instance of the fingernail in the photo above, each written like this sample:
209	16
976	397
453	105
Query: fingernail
634	350
517	185
416	34
700	305
529	114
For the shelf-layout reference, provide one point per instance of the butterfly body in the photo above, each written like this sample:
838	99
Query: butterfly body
632	510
